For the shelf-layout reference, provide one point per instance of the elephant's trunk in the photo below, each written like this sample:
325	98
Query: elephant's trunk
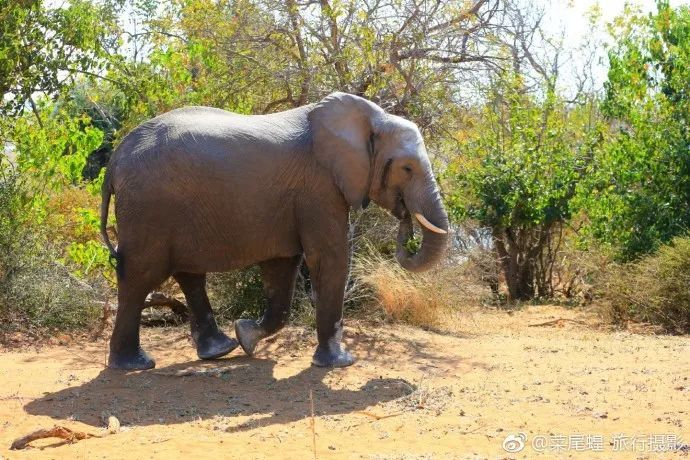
434	230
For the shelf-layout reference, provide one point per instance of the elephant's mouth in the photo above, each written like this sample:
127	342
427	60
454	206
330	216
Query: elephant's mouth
399	210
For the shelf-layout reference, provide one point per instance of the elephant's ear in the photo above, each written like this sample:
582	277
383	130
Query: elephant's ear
342	126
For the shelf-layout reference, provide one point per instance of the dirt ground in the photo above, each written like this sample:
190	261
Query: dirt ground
563	389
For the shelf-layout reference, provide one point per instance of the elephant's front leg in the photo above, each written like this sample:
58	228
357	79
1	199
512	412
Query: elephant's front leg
210	341
329	271
279	277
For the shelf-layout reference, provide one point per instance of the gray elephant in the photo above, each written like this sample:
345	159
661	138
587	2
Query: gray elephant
204	190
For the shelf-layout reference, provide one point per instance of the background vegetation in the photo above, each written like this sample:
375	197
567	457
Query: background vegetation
557	191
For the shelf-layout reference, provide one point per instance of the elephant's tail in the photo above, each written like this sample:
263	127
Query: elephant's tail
107	191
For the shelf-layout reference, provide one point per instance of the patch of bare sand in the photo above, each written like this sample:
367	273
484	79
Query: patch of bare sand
411	394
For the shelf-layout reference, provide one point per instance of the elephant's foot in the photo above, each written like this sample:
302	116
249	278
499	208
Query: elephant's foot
131	360
332	356
215	345
249	333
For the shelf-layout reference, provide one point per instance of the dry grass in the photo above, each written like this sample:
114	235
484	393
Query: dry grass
418	299
653	290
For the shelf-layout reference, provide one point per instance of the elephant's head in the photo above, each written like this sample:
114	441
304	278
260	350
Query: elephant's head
372	154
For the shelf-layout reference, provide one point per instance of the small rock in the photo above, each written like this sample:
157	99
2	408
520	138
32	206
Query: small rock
113	425
600	415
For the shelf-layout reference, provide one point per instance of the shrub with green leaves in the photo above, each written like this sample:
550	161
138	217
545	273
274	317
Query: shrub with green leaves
37	289
636	192
237	294
240	294
522	158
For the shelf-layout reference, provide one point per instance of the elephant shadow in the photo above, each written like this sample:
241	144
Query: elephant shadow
240	396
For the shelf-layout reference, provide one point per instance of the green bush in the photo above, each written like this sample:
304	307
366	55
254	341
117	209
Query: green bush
655	289
239	294
236	294
636	187
35	289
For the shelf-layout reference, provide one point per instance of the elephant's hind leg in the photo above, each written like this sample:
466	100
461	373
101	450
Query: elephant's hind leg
279	277
210	342
125	347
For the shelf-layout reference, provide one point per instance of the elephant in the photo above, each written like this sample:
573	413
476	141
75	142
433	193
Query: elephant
200	190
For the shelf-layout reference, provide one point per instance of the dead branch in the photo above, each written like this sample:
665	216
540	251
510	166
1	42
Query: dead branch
558	321
55	432
379	417
158	299
198	371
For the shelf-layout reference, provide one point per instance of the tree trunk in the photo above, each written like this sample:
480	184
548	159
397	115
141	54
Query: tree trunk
517	263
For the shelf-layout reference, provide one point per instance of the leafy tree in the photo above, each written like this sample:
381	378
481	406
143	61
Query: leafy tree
46	156
42	49
637	192
271	55
521	160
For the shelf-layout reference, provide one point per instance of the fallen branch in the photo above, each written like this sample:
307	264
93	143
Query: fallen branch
379	417
558	321
55	432
177	314
195	371
158	299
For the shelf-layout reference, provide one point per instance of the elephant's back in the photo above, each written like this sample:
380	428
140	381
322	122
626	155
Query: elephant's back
199	128
210	141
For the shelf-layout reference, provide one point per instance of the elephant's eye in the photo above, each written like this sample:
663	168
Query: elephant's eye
407	168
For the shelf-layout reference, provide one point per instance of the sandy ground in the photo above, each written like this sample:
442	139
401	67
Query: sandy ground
567	389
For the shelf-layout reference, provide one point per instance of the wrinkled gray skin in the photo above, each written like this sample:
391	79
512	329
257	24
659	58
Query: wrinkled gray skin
204	190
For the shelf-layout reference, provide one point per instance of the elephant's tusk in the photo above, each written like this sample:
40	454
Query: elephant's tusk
422	220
